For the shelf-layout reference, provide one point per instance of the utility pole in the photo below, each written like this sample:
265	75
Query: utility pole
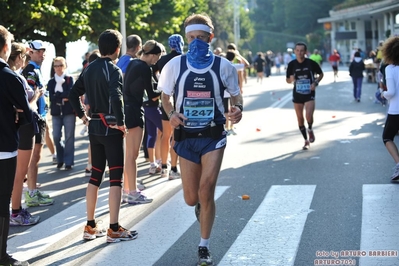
236	5
123	25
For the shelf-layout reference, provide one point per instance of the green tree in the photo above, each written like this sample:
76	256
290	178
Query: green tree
54	21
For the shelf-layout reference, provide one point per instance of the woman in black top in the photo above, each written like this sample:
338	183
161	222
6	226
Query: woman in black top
139	89
259	65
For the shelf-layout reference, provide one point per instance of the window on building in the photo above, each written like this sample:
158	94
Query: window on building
353	26
397	19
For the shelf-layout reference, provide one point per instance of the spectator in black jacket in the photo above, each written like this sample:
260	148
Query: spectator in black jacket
101	80
356	69
15	111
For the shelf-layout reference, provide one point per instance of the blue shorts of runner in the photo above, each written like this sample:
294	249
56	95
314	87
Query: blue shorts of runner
193	149
302	98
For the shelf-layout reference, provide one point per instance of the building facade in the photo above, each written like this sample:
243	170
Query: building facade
361	27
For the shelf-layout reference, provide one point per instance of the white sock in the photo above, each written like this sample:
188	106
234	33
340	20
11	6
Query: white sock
204	243
32	192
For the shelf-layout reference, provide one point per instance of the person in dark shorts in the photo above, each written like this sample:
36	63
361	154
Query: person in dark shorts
106	132
32	73
15	112
139	83
390	57
176	44
197	81
334	61
21	216
306	75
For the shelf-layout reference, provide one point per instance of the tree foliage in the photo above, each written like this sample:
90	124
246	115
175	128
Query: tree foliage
62	21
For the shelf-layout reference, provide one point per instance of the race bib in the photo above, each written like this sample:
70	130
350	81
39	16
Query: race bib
199	112
303	86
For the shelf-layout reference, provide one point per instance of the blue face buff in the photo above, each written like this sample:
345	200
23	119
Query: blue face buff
199	55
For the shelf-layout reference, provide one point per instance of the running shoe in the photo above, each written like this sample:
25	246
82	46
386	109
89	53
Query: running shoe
83	131
23	218
197	211
395	176
164	173
43	195
121	235
311	136
154	168
87	172
136	198
55	160
174	175
10	261
204	257
306	146
140	187
37	200
91	233
232	132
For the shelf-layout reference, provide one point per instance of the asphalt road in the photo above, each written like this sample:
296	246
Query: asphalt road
304	205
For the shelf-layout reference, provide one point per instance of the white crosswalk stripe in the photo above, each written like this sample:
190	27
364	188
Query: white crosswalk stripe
380	220
271	236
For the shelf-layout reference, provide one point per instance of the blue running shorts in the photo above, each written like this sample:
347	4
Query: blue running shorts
192	149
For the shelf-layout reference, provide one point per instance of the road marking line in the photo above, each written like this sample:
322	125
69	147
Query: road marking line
273	233
31	242
160	230
380	218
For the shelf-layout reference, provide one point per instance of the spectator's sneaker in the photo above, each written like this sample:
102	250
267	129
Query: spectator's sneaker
23	218
136	198
197	211
10	261
121	235
395	176
140	187
306	146
154	168
55	160
37	200
174	175
164	173
87	172
83	131
204	257
311	136
91	233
